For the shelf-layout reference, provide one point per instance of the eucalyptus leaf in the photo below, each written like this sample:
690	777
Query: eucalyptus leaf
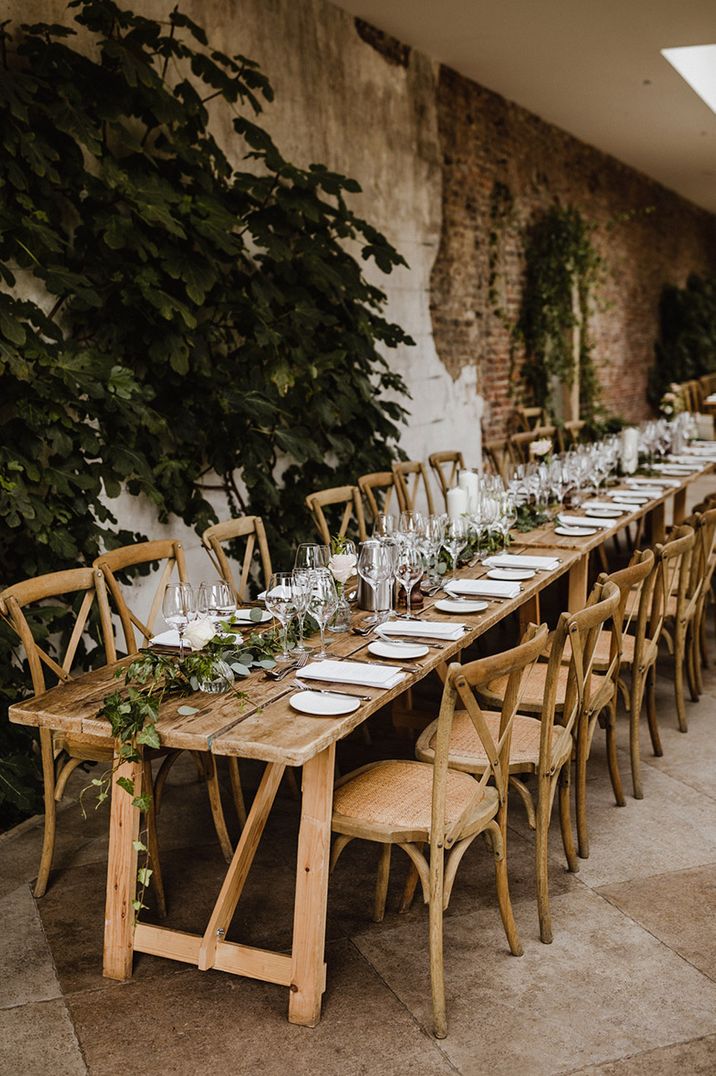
187	711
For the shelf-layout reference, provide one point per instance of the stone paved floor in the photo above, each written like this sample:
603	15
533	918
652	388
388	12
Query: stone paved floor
628	986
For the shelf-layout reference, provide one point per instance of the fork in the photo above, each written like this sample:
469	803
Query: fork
326	691
278	674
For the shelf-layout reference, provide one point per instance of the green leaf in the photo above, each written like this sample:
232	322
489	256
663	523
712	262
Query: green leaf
143	802
143	875
126	784
138	846
149	737
187	711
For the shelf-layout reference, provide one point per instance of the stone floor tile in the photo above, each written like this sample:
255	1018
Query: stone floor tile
39	1039
211	1021
28	973
687	756
678	908
694	1058
597	992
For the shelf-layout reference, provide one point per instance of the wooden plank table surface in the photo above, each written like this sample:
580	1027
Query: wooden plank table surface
262	726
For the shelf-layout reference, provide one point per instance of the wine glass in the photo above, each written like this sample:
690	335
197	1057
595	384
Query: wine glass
322	603
215	600
312	555
301	595
455	539
408	570
384	525
374	567
432	542
179	609
280	601
412	524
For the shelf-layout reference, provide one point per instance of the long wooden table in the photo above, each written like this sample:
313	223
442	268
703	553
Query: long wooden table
263	727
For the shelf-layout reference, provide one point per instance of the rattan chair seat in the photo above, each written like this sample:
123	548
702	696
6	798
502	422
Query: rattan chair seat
466	749
397	795
532	695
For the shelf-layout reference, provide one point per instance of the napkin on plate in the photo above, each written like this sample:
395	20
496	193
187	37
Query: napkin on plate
353	672
599	504
567	520
654	483
519	560
483	588
169	638
426	629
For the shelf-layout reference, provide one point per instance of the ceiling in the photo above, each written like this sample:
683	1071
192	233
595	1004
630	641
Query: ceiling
592	67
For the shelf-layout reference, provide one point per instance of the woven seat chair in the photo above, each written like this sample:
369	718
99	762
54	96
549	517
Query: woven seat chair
82	589
682	593
411	477
704	523
232	531
348	499
169	554
553	696
497	458
445	467
410	804
379	484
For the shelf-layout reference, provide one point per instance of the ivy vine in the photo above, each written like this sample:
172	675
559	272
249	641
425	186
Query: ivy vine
559	253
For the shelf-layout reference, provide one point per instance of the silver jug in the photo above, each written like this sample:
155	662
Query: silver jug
375	600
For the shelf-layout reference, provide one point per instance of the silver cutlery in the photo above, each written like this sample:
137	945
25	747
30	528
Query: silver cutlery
279	674
326	691
419	640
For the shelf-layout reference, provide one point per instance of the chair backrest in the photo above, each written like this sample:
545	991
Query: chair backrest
383	481
527	418
14	601
167	552
520	442
637	579
410	477
461	683
673	576
445	466
569	433
346	497
496	458
231	531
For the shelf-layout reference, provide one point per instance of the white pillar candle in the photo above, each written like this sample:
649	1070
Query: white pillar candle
456	502
630	449
469	482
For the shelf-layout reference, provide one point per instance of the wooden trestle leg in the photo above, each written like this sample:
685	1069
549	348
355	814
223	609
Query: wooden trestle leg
121	873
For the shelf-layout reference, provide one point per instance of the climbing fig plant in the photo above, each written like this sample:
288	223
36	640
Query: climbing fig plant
177	310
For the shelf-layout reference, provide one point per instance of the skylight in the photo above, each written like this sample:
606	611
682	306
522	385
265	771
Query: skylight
697	65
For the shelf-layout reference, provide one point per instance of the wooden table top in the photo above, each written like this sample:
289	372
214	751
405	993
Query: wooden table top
262	725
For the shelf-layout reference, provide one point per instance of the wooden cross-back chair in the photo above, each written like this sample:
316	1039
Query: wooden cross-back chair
445	467
232	531
346	498
496	458
169	554
81	589
556	693
411	803
569	433
704	523
708	540
527	418
411	476
379	484
681	595
519	443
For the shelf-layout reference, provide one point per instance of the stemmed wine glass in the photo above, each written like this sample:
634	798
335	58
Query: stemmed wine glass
384	525
455	539
179	609
280	601
301	595
215	600
409	568
312	555
322	603
374	566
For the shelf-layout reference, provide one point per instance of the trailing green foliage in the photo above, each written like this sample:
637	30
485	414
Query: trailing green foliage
559	254
166	317
686	348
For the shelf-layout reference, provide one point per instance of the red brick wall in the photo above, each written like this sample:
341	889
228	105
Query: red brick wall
646	234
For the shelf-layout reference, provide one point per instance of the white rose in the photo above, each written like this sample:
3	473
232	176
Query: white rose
199	633
541	448
342	566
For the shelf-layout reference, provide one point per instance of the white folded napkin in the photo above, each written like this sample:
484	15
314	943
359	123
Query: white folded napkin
644	494
426	629
353	672
654	483
585	521
169	638
711	398
598	504
520	560
483	588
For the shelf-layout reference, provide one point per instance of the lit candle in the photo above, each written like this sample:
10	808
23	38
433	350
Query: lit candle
456	502
630	449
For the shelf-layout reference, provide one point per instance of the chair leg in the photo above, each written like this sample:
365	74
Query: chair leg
679	659
651	712
153	844
48	836
161	779
703	640
565	821
691	663
634	717
612	757
580	775
237	790
524	793
341	842
411	883
381	884
64	775
217	811
542	860
502	885
437	969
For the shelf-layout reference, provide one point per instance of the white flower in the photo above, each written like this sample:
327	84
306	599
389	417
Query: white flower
541	448
342	566
199	633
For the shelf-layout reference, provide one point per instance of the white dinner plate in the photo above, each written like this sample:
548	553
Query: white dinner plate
311	702
446	605
405	650
607	513
243	616
575	532
511	573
